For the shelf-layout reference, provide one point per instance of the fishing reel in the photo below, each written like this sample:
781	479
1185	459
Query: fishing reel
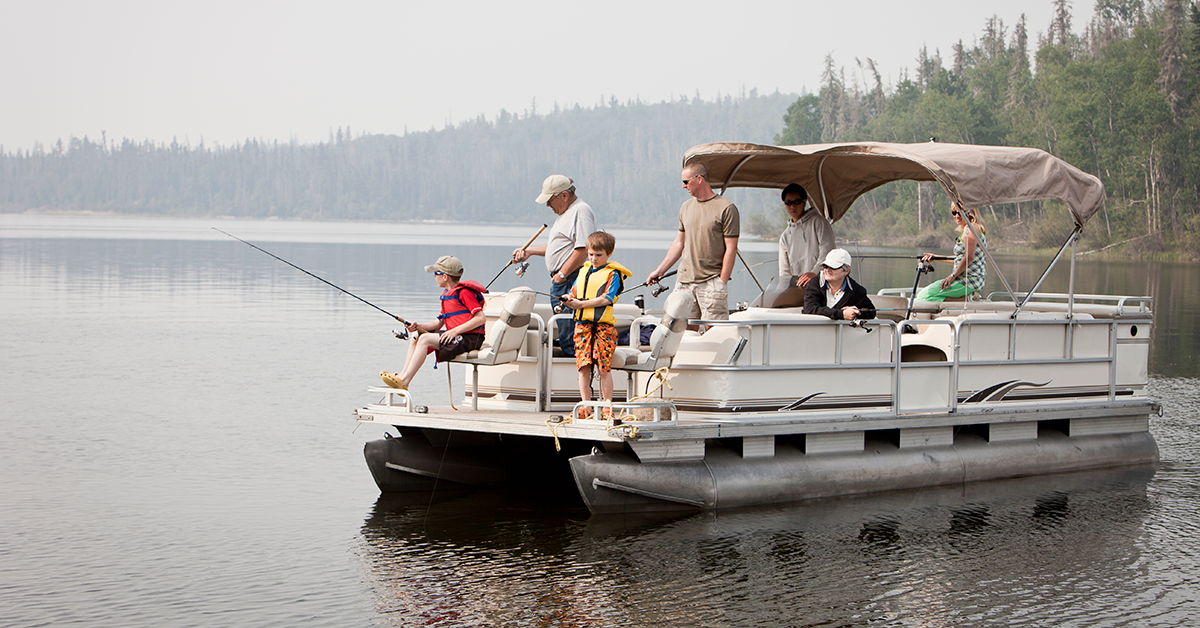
400	334
658	289
924	267
861	324
521	268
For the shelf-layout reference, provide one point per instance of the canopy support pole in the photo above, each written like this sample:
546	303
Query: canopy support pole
752	275
1071	298
979	242
821	182
733	173
1071	285
1070	241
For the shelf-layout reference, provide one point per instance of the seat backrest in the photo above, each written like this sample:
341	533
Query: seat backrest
664	342
781	292
506	334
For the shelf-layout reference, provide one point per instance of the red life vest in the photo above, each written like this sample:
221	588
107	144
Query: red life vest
460	303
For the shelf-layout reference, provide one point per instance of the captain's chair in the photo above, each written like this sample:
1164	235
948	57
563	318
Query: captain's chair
504	338
664	342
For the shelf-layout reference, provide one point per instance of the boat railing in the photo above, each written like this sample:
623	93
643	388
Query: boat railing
540	393
956	361
758	336
1123	304
657	411
768	325
1069	356
390	395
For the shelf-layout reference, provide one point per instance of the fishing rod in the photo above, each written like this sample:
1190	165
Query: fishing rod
922	268
940	258
557	309
314	276
656	290
510	262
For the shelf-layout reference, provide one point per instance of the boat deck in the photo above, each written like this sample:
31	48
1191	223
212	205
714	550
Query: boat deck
825	431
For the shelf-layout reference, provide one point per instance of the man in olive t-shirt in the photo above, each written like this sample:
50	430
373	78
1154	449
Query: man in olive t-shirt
706	246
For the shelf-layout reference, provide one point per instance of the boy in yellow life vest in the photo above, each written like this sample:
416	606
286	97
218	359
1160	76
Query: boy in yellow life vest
600	281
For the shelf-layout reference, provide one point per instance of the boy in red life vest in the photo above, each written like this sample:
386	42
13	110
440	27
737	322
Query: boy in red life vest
600	281
462	316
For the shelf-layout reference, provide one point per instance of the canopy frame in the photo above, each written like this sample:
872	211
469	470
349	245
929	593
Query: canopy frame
972	176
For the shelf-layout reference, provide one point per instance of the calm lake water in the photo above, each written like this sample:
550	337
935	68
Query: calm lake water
177	449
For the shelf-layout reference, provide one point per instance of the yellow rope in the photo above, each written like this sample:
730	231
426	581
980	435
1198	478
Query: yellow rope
659	374
554	429
630	431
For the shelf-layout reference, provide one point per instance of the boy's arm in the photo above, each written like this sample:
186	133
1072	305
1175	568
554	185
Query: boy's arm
608	298
425	327
478	319
600	301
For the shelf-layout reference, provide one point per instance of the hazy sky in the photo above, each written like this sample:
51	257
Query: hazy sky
224	71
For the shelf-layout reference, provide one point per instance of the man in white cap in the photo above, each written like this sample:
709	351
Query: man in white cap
567	250
836	295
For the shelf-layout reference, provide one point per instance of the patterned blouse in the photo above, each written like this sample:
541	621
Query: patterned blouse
976	273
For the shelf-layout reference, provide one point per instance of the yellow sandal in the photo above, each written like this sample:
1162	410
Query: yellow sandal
392	379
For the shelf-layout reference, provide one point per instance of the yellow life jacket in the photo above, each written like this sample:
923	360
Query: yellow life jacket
594	282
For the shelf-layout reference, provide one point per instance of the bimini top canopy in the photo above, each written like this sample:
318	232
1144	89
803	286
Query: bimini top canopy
835	175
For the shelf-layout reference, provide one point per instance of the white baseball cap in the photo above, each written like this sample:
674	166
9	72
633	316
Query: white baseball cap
554	184
837	258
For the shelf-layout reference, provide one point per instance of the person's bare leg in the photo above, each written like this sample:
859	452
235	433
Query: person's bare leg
606	386
585	383
418	350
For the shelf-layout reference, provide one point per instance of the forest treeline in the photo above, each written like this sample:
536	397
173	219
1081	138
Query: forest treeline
624	156
1119	99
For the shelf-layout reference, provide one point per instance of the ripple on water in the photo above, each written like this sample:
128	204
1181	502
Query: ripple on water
1061	550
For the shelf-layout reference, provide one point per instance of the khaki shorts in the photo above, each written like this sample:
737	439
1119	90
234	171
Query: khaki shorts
712	299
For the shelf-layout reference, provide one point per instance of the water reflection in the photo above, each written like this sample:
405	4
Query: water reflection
986	552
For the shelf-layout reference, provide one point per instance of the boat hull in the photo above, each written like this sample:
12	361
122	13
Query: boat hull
411	463
425	459
619	482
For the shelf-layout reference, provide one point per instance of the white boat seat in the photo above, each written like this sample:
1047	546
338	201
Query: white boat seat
505	335
664	342
504	338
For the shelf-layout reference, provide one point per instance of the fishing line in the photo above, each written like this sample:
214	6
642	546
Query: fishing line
314	276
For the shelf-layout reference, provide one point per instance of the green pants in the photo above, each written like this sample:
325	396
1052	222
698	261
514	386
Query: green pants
934	291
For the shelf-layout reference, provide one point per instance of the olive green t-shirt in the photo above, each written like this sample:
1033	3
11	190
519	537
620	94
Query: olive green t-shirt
705	227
